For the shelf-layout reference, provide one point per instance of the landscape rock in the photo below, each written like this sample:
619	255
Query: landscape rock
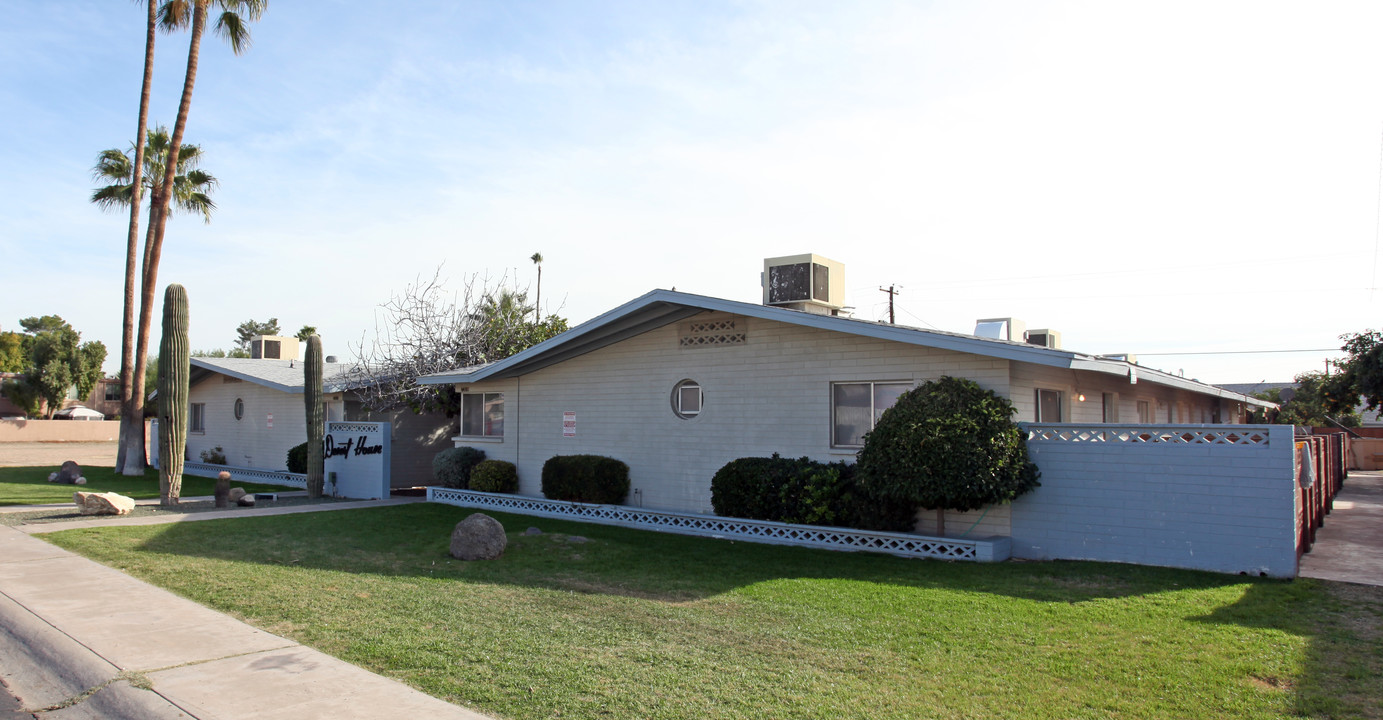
79	481
52	477
102	503
236	494
68	473
478	537
532	531
245	500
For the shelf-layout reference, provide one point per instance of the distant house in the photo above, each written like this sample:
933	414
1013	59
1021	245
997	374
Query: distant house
252	409
104	398
676	385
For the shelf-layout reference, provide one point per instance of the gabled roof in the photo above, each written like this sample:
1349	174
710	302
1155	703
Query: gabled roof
663	307
282	375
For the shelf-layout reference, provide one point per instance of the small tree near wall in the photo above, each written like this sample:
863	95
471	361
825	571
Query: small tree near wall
948	445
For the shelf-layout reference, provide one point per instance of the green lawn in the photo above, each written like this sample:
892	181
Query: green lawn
637	624
30	486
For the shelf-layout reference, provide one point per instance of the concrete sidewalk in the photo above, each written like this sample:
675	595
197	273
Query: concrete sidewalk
1349	546
80	640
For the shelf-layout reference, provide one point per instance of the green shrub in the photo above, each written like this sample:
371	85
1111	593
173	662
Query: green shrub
495	476
948	444
452	467
297	458
804	491
214	456
585	478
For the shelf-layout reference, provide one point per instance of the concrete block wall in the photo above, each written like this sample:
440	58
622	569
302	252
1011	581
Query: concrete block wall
1227	508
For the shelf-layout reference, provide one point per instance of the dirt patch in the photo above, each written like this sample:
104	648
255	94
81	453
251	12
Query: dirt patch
42	454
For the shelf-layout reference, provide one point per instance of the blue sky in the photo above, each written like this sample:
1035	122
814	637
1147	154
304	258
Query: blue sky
1164	177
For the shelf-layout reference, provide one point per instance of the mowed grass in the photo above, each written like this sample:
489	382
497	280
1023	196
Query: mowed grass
618	623
30	486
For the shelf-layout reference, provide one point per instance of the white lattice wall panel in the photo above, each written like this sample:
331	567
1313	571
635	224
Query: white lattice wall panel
268	477
901	544
1253	435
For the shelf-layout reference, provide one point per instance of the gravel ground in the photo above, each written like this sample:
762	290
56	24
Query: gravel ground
39	454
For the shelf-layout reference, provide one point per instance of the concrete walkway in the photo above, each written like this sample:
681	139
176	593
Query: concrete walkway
1349	547
80	640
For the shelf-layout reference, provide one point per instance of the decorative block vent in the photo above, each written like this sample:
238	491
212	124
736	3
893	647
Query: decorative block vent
993	549
712	333
1173	434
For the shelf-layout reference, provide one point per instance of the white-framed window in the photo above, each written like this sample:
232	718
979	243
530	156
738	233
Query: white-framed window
687	399
1145	412
857	406
196	418
1048	404
482	414
112	392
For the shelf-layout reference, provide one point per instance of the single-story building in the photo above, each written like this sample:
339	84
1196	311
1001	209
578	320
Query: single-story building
676	385
252	409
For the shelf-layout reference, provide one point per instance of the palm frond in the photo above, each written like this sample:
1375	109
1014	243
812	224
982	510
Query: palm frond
112	197
112	165
174	14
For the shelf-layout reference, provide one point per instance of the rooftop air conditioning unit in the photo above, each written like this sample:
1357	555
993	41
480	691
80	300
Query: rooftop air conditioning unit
1045	338
1002	329
272	347
810	283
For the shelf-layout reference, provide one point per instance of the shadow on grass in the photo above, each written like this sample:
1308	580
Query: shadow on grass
1339	677
1342	671
413	540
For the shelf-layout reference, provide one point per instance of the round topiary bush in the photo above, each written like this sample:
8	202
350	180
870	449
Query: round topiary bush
948	444
585	478
452	467
496	476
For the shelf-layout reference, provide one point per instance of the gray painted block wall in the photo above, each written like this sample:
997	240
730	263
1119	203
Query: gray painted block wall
1227	508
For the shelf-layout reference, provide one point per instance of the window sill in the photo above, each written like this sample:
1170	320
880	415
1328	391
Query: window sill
477	439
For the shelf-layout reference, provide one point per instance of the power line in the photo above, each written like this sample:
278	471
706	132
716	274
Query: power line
1238	352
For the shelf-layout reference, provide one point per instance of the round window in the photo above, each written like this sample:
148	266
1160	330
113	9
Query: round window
239	408
687	399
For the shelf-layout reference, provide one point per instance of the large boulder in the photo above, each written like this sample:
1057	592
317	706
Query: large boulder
102	503
69	473
478	537
235	494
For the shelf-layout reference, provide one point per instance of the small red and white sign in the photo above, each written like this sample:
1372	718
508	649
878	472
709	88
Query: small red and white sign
568	424
270	421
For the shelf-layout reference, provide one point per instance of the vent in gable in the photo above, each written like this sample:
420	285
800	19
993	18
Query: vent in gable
711	333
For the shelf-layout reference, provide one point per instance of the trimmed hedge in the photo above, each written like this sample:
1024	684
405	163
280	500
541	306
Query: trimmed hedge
496	476
585	478
948	444
452	467
297	458
804	491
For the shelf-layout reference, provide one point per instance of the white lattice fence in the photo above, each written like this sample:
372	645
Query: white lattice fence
762	531
268	477
1252	435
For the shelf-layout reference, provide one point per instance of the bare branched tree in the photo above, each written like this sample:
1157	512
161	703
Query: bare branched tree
427	329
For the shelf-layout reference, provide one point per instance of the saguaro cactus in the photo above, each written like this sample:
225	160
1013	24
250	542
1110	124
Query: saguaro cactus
316	414
174	367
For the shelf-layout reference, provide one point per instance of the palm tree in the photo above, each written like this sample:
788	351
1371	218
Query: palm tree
231	24
537	303
131	445
190	185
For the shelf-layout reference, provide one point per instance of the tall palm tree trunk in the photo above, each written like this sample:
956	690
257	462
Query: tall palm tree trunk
158	217
130	458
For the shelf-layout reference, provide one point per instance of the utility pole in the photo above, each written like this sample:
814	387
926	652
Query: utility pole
891	292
